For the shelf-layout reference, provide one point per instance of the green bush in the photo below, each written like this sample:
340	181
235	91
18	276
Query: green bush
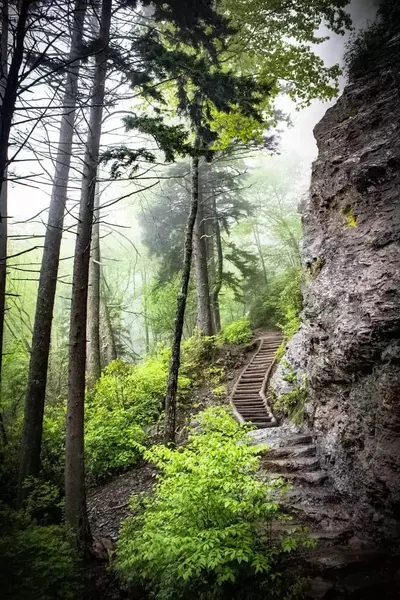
36	562
291	304
204	527
292	404
113	440
124	401
238	332
196	352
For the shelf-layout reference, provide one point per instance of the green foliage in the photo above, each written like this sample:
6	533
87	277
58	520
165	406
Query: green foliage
42	501
370	47
275	39
113	441
292	404
238	332
196	353
201	530
291	304
53	444
123	402
36	562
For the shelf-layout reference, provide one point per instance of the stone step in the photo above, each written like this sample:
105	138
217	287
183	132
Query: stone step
302	439
290	451
302	478
263	425
291	464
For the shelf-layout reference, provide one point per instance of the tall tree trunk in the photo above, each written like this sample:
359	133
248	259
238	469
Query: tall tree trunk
93	320
146	313
3	202
260	254
218	272
3	193
75	496
41	338
204	320
108	350
9	91
172	385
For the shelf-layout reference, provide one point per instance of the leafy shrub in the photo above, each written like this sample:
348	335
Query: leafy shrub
113	440
36	562
201	531
291	304
43	501
196	352
292	404
238	332
53	444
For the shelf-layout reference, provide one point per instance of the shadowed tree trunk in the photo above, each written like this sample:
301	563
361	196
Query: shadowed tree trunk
108	350
3	196
9	82
172	385
3	201
204	319
146	314
218	269
39	360
93	321
260	253
75	495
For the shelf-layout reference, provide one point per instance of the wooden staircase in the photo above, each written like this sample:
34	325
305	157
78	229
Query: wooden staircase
248	397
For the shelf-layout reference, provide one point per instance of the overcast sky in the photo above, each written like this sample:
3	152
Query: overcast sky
300	138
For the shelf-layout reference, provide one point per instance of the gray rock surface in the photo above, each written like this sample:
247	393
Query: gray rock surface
349	344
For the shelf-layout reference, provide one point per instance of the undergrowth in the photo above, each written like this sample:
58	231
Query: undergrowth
205	529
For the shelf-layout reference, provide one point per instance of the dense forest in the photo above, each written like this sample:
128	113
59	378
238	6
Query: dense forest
159	264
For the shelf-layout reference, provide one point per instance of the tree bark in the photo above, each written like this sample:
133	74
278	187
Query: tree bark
204	320
146	314
10	85
41	338
108	350
75	496
172	385
3	202
260	254
218	272
93	321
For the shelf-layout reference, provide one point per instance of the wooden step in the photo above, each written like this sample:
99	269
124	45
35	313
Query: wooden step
253	411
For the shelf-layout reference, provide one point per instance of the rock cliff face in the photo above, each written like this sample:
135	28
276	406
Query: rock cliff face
349	344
